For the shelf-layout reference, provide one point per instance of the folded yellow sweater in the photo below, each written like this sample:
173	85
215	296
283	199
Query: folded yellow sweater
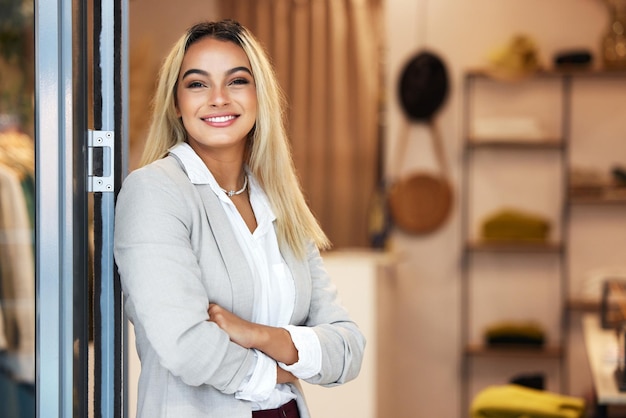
515	401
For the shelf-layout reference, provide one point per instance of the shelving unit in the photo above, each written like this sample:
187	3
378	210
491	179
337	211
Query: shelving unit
551	149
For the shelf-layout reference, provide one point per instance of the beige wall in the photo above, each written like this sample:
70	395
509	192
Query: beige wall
154	27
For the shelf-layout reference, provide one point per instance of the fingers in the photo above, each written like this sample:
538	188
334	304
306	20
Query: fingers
218	315
283	376
213	308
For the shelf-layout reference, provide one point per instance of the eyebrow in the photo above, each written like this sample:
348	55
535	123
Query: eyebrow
206	74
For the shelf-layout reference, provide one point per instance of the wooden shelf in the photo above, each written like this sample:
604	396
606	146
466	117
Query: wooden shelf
583	305
515	247
479	350
555	73
474	143
598	201
601	199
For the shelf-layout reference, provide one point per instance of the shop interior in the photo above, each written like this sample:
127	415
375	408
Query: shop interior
466	158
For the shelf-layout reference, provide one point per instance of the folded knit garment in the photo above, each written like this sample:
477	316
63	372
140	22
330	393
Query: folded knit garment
530	380
514	401
515	333
515	225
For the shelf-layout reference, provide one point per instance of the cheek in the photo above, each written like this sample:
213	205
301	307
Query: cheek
184	105
253	104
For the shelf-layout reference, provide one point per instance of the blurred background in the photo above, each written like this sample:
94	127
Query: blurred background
466	158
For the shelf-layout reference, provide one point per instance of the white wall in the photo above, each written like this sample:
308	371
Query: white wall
162	23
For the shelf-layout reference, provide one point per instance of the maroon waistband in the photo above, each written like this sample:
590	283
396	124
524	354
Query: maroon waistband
288	410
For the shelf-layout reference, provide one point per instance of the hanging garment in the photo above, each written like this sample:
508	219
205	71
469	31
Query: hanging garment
17	151
17	275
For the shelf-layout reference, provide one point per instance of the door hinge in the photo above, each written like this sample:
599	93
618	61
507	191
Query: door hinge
100	167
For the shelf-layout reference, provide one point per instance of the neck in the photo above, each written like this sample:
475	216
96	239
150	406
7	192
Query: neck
226	164
236	191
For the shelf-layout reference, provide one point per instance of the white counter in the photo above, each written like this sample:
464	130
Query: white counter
359	276
602	353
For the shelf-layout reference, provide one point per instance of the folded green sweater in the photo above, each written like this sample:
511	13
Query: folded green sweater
515	401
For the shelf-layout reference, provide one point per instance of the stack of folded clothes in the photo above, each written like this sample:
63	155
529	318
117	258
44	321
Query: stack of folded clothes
587	182
511	333
515	225
515	401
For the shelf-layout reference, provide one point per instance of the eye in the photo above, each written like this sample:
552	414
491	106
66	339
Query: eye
240	81
195	85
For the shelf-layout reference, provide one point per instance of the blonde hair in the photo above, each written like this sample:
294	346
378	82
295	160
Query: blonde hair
269	160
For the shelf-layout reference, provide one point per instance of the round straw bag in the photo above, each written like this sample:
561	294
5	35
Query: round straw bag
421	202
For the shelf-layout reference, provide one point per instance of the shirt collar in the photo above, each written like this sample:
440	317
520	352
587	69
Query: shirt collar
196	170
199	173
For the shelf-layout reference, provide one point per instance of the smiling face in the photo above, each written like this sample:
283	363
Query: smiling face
216	97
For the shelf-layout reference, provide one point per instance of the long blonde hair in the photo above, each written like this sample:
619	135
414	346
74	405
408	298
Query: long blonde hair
270	159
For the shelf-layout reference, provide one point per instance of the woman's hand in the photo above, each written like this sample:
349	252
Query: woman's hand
273	341
283	376
240	331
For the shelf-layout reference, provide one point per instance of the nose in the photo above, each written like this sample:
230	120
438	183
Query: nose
218	96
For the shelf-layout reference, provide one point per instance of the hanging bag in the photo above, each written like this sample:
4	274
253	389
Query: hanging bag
421	202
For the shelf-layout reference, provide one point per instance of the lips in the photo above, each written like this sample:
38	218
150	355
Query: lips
219	119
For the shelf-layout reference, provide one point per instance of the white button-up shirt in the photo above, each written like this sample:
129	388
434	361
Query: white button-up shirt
274	290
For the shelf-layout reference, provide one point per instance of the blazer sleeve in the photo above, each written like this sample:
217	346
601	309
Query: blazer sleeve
342	342
162	282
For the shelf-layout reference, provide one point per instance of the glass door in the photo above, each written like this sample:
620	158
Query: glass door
69	313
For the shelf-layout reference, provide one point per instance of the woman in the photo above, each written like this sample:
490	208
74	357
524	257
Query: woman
217	250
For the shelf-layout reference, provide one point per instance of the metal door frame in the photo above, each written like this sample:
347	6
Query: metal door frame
61	151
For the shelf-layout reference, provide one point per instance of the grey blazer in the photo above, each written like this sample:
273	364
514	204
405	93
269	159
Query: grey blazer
176	252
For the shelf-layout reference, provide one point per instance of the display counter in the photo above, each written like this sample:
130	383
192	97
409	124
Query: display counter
602	353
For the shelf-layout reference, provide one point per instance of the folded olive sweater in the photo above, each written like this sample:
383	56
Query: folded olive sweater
505	333
515	225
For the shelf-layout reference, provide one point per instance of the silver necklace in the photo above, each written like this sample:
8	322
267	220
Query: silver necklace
231	193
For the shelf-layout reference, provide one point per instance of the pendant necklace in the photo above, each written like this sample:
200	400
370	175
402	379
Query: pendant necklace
231	193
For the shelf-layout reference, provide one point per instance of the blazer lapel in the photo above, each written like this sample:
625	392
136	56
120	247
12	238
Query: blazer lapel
302	282
232	255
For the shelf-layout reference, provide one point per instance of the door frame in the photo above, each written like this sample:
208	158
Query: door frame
61	207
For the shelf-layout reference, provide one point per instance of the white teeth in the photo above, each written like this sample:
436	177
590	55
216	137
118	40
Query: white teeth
219	119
